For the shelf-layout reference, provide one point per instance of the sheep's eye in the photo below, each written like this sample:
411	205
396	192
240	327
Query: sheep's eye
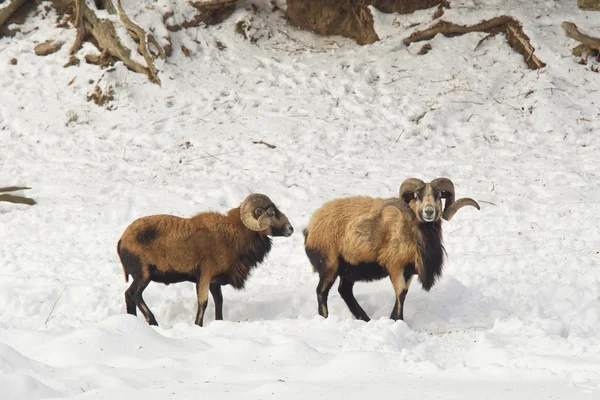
271	213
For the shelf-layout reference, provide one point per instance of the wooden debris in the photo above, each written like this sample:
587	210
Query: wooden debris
589	44
269	145
12	198
48	47
107	39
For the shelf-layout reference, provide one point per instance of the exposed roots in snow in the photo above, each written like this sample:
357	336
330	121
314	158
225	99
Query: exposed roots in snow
513	30
589	45
104	34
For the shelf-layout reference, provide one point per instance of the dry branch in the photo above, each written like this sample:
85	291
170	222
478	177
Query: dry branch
269	145
588	43
11	198
503	24
13	188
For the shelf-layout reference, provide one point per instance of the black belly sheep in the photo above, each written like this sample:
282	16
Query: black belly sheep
209	249
364	239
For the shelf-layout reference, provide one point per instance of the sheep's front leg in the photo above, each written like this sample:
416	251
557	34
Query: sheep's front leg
215	290
401	281
202	287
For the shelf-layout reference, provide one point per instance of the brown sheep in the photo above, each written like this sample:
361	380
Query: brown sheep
364	239
209	249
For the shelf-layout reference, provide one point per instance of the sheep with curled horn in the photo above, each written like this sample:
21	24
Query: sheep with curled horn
209	249
364	239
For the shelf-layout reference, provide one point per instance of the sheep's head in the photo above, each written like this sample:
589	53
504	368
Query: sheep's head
425	199
259	214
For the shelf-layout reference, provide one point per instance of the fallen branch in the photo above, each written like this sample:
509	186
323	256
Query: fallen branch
269	145
13	188
503	24
588	44
12	198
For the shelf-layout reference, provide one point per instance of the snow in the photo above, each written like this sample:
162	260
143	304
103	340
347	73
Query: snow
516	314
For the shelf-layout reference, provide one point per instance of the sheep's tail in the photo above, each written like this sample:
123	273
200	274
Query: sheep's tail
305	233
124	270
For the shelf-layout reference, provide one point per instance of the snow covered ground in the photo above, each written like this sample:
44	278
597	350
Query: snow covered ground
515	316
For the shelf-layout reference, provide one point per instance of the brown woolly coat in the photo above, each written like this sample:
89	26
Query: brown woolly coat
354	229
216	243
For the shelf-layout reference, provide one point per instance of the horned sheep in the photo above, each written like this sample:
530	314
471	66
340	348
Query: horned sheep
364	239
209	249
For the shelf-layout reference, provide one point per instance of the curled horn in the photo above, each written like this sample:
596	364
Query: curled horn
400	204
409	187
248	212
446	186
449	211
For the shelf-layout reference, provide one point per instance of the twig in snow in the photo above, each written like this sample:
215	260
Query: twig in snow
269	145
288	36
215	107
400	135
484	39
468	223
181	114
467	101
210	155
52	310
488	202
213	156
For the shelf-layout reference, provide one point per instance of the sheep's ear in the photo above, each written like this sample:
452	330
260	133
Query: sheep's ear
258	212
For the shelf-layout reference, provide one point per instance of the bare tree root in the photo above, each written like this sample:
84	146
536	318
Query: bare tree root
513	30
11	198
108	41
589	44
10	9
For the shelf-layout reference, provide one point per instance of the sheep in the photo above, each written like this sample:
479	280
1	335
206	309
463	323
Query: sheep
362	238
209	249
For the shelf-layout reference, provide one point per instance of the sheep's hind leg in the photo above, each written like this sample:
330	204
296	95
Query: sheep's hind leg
325	284
139	300
345	289
202	287
129	302
215	290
